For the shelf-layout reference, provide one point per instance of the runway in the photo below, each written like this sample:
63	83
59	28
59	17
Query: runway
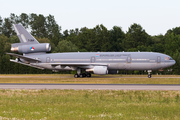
91	86
96	76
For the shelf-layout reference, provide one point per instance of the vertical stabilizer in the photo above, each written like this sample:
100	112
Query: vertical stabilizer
24	36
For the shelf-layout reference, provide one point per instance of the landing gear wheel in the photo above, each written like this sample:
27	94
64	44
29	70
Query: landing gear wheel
149	76
149	73
81	75
88	75
76	75
84	74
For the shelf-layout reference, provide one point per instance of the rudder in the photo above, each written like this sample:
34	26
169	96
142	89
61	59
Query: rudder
23	35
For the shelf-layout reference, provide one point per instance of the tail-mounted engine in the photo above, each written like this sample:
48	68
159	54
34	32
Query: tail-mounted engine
30	48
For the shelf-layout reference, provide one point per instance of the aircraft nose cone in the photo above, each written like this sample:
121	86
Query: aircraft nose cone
174	62
171	63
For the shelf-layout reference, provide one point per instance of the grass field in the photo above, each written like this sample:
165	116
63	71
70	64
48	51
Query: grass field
108	79
89	104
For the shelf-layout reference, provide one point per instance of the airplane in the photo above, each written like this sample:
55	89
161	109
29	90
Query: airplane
102	63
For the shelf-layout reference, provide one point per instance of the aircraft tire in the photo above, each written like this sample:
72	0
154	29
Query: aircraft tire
76	75
84	75
81	75
149	76
88	75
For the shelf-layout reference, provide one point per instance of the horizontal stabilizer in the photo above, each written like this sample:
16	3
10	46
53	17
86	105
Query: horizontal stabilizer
26	64
23	57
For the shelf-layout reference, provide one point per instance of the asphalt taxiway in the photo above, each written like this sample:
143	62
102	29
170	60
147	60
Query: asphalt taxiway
91	86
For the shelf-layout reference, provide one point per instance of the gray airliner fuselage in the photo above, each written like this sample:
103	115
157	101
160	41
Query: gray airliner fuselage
113	60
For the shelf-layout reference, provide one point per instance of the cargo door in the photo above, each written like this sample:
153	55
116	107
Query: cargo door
158	59
93	59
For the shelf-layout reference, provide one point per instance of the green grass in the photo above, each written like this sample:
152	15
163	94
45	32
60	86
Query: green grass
108	79
89	104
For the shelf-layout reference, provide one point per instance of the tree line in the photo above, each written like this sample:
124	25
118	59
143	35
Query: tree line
46	30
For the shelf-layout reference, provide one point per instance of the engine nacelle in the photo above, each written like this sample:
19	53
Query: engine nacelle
101	70
32	48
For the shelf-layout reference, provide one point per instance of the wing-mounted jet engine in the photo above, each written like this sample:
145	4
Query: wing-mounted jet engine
101	70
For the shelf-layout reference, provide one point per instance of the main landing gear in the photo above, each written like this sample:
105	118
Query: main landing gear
82	75
149	73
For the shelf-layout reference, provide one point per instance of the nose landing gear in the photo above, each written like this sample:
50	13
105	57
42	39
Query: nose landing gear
149	73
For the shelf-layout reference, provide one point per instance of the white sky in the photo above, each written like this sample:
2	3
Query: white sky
155	16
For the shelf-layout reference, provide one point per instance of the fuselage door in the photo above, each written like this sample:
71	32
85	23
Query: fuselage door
128	59
48	60
158	59
93	59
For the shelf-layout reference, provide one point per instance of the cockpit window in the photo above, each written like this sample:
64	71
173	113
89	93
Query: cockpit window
170	58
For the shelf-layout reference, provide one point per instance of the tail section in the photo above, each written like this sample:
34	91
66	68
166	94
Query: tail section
24	35
28	43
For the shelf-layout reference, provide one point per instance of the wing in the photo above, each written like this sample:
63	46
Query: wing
77	65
